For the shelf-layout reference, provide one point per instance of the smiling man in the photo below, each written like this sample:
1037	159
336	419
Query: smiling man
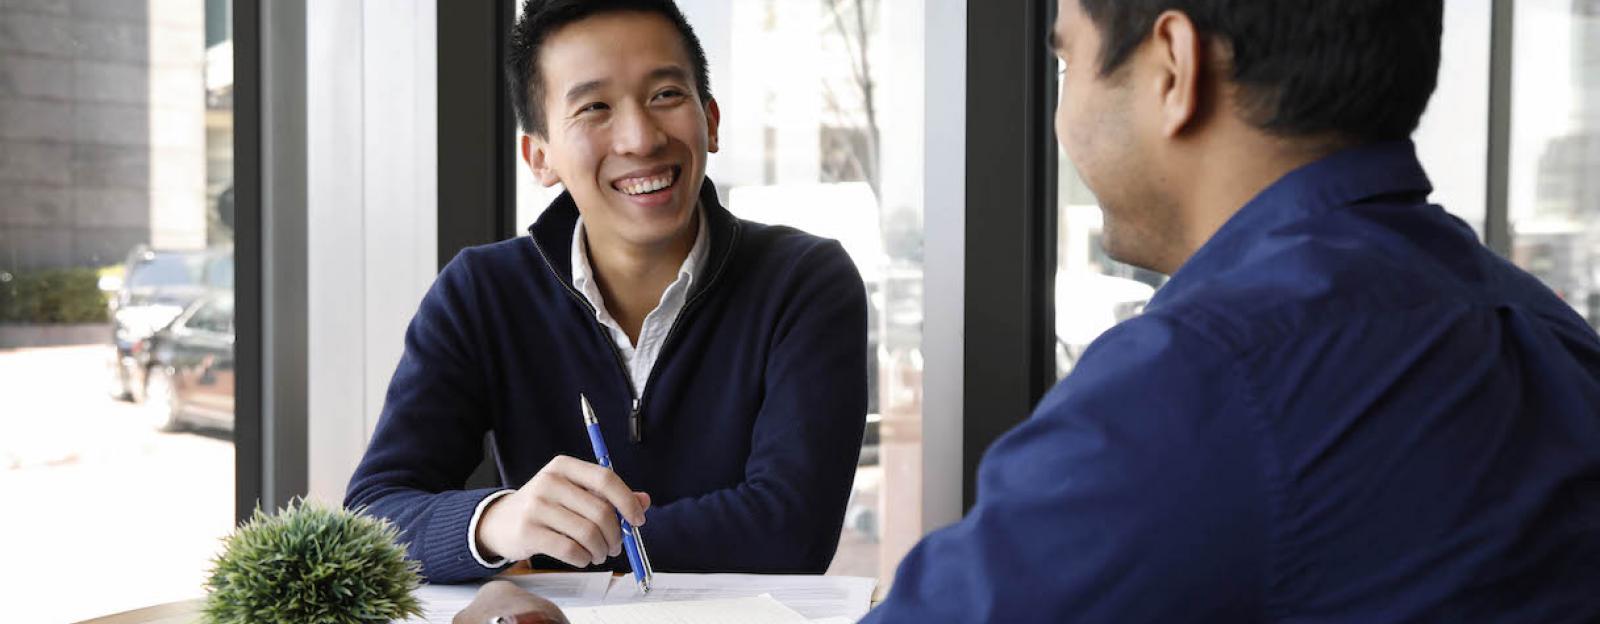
726	360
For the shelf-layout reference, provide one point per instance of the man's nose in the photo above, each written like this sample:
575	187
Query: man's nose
638	134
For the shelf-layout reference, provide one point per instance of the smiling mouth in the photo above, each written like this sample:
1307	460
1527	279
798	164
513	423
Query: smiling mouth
648	185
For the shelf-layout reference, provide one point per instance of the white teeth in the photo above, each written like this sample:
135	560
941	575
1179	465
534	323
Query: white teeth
648	185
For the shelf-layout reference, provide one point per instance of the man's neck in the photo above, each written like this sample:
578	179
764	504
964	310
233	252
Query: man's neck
631	278
1217	193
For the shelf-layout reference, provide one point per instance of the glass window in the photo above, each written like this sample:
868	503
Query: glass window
166	268
807	140
1453	138
116	170
1555	148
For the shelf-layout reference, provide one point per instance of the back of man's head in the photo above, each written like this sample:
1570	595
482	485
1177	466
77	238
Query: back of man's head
543	18
1356	70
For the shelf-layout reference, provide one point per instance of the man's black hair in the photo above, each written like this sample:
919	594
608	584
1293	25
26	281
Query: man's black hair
542	18
1356	69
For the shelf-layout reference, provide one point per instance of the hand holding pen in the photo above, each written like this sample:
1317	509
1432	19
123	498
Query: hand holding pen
567	511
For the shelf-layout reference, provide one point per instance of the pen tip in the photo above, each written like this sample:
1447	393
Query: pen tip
588	410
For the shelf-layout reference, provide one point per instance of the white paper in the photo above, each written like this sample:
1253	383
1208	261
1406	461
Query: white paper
441	603
759	610
812	596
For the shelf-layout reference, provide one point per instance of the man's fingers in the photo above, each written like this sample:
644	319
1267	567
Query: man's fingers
579	529
603	483
593	508
547	541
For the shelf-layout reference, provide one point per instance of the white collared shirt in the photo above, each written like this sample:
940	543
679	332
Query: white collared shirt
640	358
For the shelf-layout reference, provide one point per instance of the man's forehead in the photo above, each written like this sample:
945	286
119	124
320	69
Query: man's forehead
597	35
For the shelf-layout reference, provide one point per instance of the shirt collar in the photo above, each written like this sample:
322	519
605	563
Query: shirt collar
583	272
1346	177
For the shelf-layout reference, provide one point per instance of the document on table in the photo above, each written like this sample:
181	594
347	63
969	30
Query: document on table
440	603
812	596
759	610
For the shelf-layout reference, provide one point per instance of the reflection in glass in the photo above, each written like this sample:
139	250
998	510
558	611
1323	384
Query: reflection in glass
1555	193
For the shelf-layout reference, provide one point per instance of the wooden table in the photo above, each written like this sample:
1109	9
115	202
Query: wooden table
189	611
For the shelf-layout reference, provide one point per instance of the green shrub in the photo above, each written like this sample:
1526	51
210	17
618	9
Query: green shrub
52	296
312	564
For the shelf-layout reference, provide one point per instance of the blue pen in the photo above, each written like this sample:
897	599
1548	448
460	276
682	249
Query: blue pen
631	541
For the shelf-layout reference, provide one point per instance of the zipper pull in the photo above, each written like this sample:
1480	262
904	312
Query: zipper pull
635	427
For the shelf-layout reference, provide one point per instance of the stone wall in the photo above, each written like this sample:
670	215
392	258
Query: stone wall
102	129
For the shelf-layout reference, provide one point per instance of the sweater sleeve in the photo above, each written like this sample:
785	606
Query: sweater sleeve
786	514
430	435
1135	493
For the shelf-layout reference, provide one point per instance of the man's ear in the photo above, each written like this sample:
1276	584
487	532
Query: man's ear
534	156
713	122
1179	60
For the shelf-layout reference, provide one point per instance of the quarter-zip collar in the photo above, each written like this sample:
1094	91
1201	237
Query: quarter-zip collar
552	238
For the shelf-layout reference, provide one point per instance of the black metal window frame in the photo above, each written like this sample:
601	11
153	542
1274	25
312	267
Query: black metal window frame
477	129
270	253
248	460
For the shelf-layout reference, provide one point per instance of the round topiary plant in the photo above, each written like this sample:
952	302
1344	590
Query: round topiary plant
311	564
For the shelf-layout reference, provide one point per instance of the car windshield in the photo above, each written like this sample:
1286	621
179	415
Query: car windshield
166	270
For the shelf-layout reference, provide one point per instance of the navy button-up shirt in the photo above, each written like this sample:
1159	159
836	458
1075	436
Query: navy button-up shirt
1343	408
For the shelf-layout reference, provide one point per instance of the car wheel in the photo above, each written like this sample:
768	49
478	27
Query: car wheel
160	405
122	388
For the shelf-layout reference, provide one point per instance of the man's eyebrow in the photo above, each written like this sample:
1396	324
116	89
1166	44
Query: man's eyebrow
584	88
669	72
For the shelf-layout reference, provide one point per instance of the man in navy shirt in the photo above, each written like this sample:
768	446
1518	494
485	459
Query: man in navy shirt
1341	408
725	360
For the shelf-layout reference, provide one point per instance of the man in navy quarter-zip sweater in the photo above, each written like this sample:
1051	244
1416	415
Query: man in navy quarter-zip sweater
726	360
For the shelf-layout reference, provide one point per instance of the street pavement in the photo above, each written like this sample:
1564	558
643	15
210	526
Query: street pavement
101	512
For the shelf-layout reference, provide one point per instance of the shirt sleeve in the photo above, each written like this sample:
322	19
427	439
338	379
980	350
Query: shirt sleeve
1134	493
472	531
786	515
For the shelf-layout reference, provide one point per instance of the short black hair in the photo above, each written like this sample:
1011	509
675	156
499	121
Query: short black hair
1360	70
542	18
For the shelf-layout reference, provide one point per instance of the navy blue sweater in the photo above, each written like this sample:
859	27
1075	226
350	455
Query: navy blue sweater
748	429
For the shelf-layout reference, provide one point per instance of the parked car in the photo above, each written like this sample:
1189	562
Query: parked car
156	287
188	367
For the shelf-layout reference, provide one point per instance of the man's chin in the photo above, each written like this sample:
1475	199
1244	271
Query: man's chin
1127	248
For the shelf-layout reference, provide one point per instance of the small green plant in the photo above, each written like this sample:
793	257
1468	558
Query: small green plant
311	564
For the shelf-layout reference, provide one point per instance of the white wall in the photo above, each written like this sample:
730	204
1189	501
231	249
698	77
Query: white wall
372	214
944	259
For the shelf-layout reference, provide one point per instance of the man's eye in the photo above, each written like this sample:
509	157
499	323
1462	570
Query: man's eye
669	94
597	106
